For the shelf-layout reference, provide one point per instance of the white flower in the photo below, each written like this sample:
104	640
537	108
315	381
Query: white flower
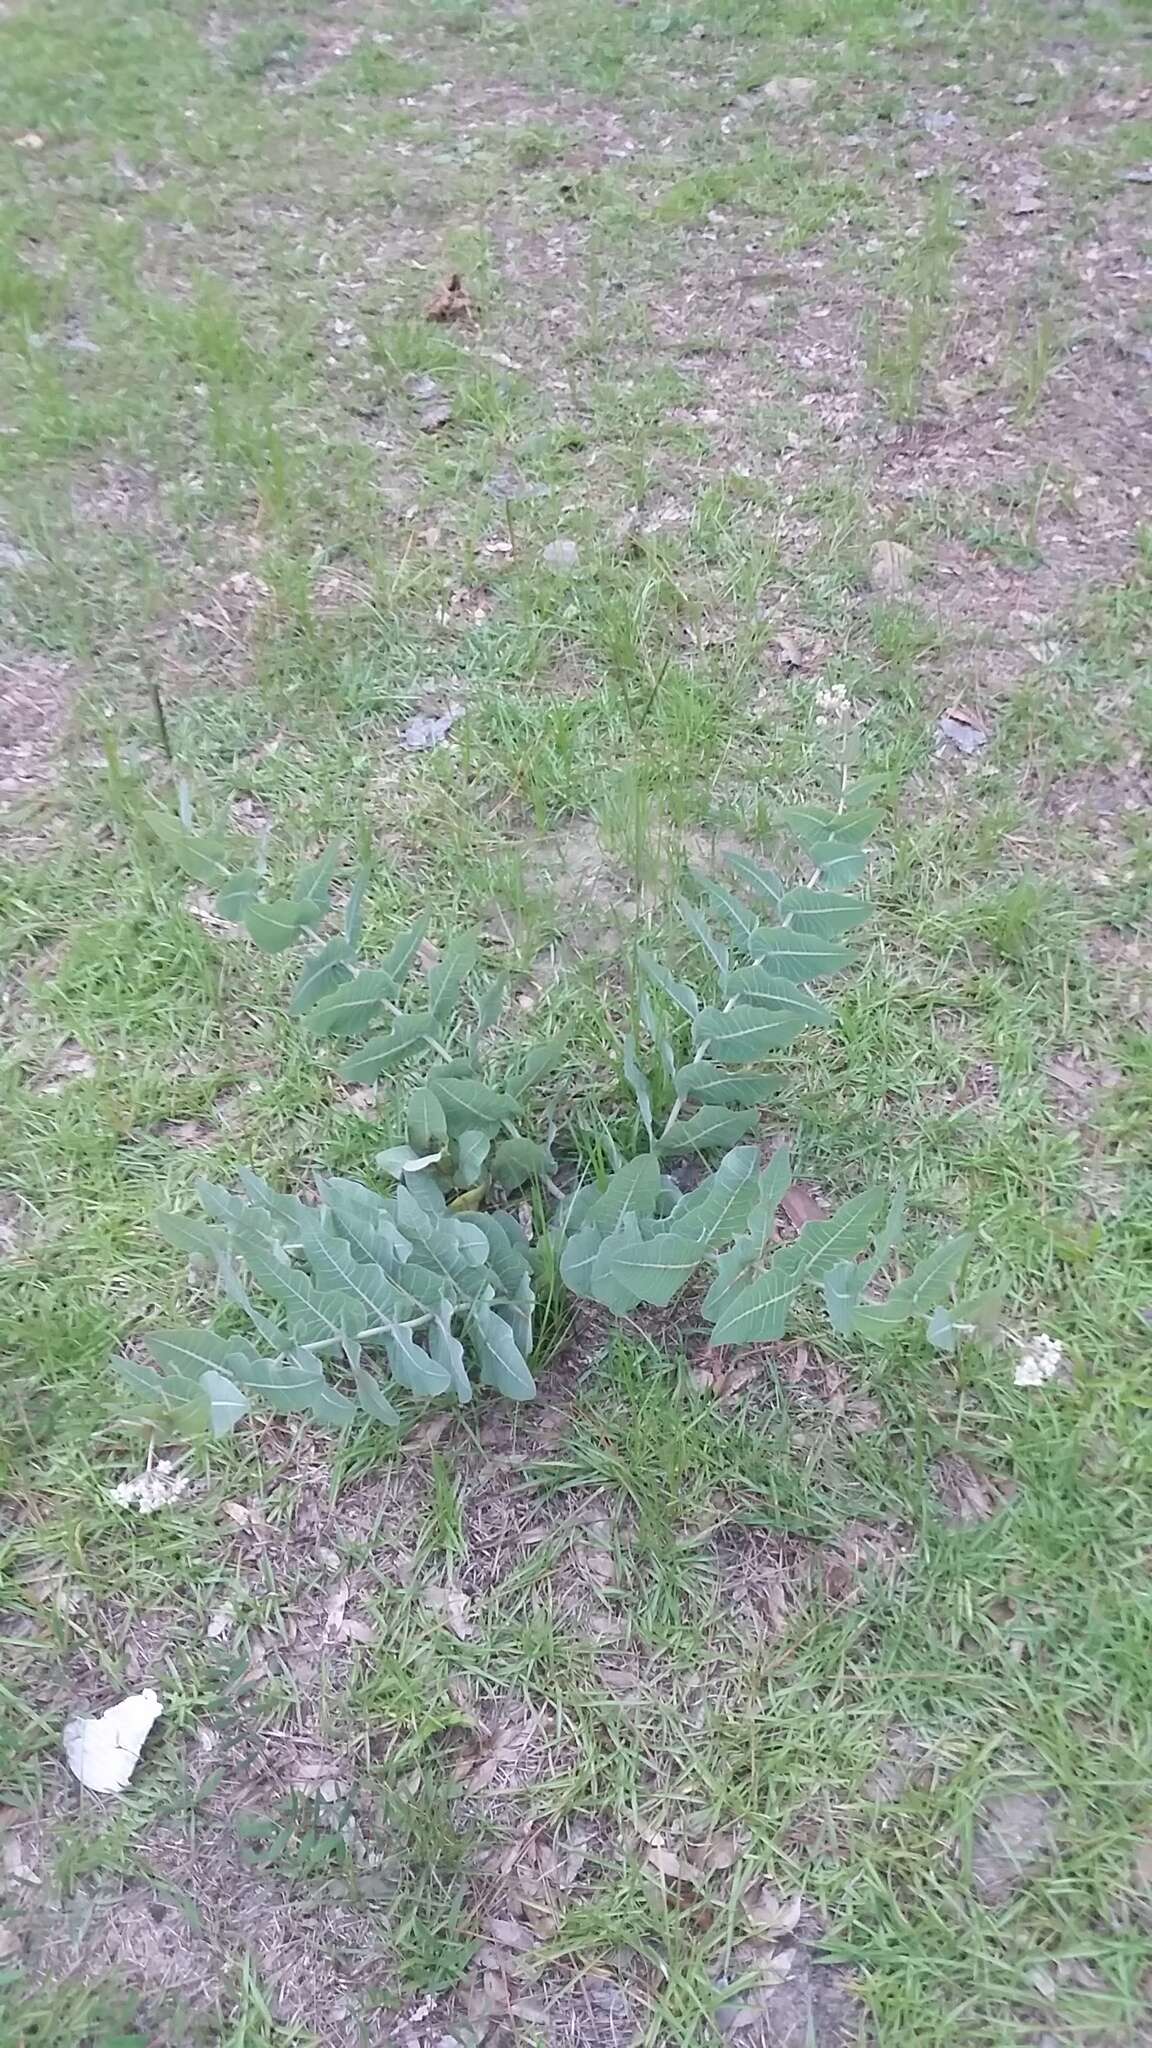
833	705
1038	1363
159	1487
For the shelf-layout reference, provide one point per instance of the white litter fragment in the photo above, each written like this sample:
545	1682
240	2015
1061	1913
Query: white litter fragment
159	1487
1038	1363
103	1750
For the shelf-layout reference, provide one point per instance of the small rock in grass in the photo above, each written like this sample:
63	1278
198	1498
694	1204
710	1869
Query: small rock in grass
561	554
893	567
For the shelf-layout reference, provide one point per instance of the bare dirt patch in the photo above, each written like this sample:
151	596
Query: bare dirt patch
37	694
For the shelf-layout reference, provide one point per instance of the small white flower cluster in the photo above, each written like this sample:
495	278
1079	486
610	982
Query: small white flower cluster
159	1487
1039	1362
833	706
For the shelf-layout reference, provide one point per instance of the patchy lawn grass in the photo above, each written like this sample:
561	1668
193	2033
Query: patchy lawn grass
804	1703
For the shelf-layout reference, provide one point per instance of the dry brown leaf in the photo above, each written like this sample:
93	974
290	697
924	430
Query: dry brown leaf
452	1607
769	1914
963	729
450	302
801	1205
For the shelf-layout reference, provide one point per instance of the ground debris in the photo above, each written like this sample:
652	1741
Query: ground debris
450	302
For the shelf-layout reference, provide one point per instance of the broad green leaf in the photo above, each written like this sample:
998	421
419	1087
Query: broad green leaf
634	1187
488	1003
222	1203
354	908
373	1399
188	1234
501	1364
578	1260
707	1130
350	1009
734	1268
210	858
412	1367
714	947
425	1121
637	1080
607	1285
737	916
314	882
446	1351
324	970
447	978
188	1353
758	1312
823	913
775	996
417	1202
764	882
328	1404
391	1049
276	925
538	1062
287	1384
266	1329
651	1269
509	1253
237	893
153	1388
226	1404
703	1082
796	956
824	1242
313	1321
471	1147
363	1217
931	1279
403	950
839	867
719	1208
286	1215
745	1032
677	992
397	1160
516	1160
471	1101
342	1276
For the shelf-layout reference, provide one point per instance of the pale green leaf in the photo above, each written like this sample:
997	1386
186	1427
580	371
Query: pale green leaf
633	1187
650	1269
237	893
412	1367
709	1128
276	925
698	924
188	1353
425	1122
932	1277
745	1032
703	1082
823	913
516	1160
403	950
719	1208
447	978
314	882
637	1080
677	992
324	970
776	996
391	1049
763	882
373	1399
226	1404
351	1008
501	1364
354	908
796	956
467	1100
446	1351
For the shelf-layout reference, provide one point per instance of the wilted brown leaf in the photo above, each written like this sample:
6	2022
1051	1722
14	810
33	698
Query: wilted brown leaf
450	302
